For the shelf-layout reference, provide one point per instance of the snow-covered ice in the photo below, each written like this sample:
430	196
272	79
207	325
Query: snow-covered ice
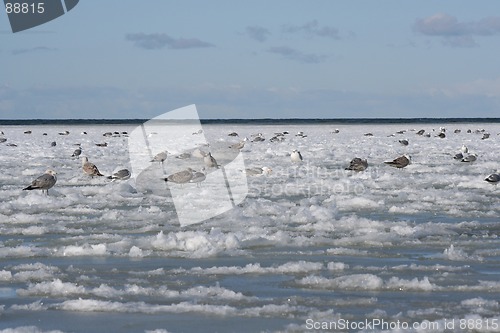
309	240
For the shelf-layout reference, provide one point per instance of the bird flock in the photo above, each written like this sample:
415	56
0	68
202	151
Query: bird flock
47	180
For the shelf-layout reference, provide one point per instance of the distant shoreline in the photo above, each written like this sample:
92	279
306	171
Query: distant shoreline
267	121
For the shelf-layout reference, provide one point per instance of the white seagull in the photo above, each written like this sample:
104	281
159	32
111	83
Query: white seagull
295	156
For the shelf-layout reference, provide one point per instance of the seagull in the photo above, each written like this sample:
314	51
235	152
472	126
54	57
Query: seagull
295	156
90	168
199	153
277	138
183	156
198	176
400	162
77	152
494	178
160	157
44	182
180	177
257	171
239	145
404	142
469	158
464	149
357	164
258	138
210	161
121	174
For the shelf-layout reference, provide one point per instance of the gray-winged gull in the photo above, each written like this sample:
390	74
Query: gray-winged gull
469	158
257	171
44	182
357	164
160	157
258	137
121	174
180	177
183	156
400	162
494	178
239	145
90	168
404	142
198	176
77	152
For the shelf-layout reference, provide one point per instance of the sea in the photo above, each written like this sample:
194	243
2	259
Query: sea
303	247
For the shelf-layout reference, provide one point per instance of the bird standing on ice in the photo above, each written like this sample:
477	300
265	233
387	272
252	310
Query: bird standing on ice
77	152
90	168
295	156
160	157
180	177
210	161
44	182
198	176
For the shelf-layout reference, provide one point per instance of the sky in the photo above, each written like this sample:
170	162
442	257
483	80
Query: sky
123	59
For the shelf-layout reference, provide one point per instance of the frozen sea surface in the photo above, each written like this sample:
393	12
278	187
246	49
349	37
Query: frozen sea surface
311	244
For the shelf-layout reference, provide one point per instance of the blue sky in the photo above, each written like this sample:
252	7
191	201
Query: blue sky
256	59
